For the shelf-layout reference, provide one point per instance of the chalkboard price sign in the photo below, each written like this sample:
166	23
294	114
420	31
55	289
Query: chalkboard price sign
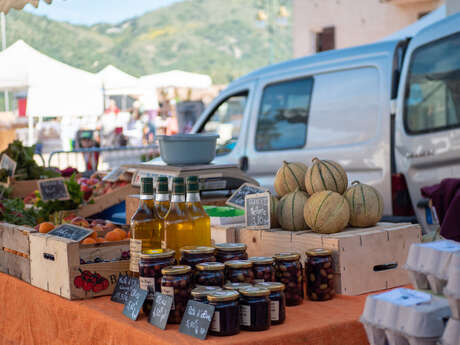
124	285
8	164
53	189
160	310
197	319
71	232
257	211
135	302
238	198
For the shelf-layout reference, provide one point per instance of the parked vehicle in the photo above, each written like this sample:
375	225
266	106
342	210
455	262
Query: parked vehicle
389	112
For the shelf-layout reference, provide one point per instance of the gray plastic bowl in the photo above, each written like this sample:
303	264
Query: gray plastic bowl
187	149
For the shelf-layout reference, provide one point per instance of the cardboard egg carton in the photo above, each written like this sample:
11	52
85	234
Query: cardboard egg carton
405	317
452	289
451	334
428	264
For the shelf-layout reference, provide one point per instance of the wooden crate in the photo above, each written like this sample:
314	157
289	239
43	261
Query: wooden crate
55	265
225	233
105	201
358	254
15	250
21	189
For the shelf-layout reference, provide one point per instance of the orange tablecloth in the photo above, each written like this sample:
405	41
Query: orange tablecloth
30	316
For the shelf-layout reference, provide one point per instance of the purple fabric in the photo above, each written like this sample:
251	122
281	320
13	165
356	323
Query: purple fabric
446	199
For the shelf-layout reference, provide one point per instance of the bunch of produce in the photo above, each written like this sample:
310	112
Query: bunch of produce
94	186
27	168
317	197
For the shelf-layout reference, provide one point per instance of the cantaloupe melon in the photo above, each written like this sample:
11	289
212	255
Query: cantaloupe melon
290	211
366	204
273	215
325	175
327	212
290	177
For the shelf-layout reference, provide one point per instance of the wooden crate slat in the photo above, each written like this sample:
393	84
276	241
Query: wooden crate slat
15	265
16	237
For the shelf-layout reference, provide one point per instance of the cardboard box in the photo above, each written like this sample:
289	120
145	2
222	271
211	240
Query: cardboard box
15	250
55	266
105	201
365	259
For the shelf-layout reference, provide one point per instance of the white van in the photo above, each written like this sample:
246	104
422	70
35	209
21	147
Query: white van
388	112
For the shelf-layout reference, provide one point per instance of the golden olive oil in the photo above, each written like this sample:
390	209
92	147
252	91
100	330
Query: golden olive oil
201	220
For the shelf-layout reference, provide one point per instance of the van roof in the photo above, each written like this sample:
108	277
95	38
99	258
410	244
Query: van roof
439	28
318	59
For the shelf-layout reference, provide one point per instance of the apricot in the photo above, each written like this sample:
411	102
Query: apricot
45	227
121	232
88	240
113	236
100	240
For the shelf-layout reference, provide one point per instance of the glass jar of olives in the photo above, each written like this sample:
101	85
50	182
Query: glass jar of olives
193	255
231	251
210	274
288	270
226	319
176	282
319	273
150	265
239	271
201	293
263	269
255	309
277	301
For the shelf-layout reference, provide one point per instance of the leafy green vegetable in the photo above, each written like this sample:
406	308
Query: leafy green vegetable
27	168
13	211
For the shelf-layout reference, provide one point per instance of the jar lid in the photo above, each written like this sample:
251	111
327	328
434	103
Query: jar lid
231	247
272	286
287	256
157	253
210	266
238	264
236	286
175	270
223	296
197	250
203	291
318	252
254	291
261	260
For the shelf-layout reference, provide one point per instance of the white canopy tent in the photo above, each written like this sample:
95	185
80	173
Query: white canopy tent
177	78
53	88
413	29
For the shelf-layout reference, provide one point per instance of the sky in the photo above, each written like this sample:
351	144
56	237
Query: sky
90	12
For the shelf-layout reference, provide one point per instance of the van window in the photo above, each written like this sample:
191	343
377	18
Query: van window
283	115
345	108
226	120
432	97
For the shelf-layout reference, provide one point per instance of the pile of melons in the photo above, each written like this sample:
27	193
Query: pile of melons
318	197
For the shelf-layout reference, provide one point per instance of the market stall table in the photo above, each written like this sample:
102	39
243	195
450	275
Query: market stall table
29	315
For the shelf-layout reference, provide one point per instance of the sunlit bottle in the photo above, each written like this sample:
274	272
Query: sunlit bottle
145	226
179	231
201	220
162	202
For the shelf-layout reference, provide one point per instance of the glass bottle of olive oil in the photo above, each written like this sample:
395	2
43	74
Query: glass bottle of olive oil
179	231
201	220
162	202
146	227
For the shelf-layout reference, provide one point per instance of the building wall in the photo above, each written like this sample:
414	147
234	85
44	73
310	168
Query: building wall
356	22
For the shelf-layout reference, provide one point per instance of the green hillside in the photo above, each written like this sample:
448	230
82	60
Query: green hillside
217	37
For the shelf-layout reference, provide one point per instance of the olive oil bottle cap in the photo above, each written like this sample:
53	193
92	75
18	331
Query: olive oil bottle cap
146	185
192	179
178	185
162	186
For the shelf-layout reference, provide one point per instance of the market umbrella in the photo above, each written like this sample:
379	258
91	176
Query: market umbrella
6	5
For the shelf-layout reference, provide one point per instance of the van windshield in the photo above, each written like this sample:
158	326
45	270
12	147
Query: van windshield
226	120
432	101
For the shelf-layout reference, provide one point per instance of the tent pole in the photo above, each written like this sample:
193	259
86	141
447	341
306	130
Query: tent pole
3	29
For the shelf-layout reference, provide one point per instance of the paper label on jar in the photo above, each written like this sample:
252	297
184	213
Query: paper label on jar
147	283
245	315
169	290
275	310
135	248
215	324
163	244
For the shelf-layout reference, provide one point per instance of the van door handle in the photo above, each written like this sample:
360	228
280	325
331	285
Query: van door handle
244	163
